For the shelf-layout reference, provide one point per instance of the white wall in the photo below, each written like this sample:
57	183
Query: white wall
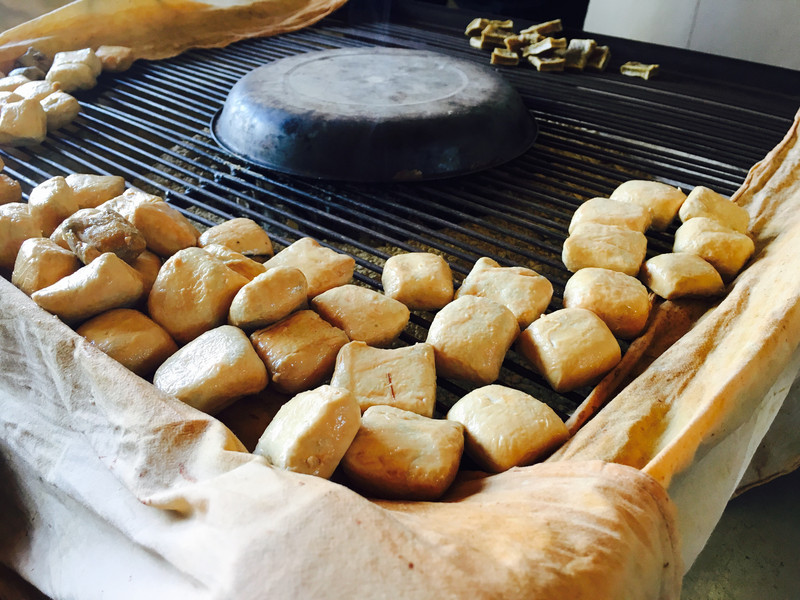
765	31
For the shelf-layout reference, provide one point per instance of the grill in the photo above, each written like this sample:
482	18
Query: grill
704	121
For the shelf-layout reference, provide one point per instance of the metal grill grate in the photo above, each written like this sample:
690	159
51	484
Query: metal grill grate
151	125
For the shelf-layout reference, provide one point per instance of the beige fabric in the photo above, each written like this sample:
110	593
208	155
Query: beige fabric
164	500
149	26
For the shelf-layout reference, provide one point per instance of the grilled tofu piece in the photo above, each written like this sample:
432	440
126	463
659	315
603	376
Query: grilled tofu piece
637	69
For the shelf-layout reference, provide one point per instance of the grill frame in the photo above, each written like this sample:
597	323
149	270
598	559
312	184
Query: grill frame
151	125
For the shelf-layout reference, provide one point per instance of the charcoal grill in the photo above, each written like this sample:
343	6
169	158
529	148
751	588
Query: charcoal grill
704	121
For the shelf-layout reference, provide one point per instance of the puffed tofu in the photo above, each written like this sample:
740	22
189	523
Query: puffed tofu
90	232
236	261
192	294
166	230
420	280
268	298
85	56
60	109
604	246
213	370
115	58
105	283
663	200
324	268
607	211
402	377
51	202
10	189
363	314
621	301
505	428
147	265
40	263
241	235
17	224
92	190
12	82
401	455
681	274
523	291
36	90
705	202
727	250
22	122
470	337
72	76
570	347
131	338
311	432
299	351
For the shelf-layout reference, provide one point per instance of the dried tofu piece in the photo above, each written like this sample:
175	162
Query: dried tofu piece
115	58
420	280
242	235
612	212
547	63
501	56
40	263
60	109
637	69
268	298
323	267
545	45
10	189
476	26
494	38
92	190
17	224
553	26
727	250
604	246
705	202
598	59
578	52
515	43
661	199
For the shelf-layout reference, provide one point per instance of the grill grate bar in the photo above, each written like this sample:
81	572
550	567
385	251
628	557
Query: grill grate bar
151	125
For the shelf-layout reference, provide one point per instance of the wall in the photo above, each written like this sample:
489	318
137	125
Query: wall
764	31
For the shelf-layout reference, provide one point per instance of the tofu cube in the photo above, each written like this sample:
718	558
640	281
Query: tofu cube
213	370
621	301
363	314
105	283
40	263
663	200
324	268
17	224
606	247
60	109
506	428
268	298
420	280
681	274
401	455
727	250
237	261
22	122
51	202
470	337
311	432
522	291
92	190
403	377
705	202
299	351
131	338
192	294
242	235
612	212
570	347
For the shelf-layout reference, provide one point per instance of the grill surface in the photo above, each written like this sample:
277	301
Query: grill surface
151	125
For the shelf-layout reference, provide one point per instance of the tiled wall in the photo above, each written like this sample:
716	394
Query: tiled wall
765	31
